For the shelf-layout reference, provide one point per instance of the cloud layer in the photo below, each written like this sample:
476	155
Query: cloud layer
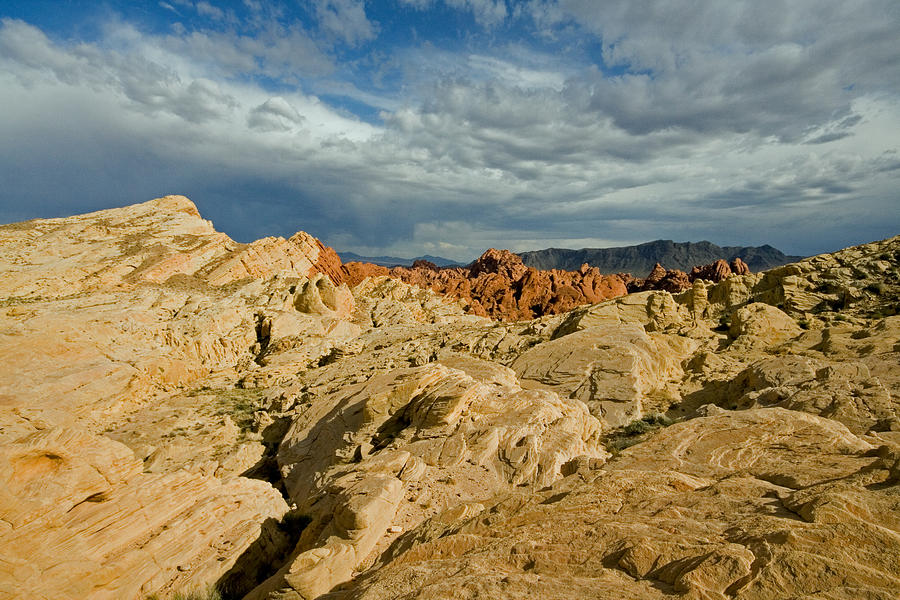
570	123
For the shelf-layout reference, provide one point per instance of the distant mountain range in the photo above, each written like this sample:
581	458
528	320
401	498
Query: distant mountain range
639	260
393	261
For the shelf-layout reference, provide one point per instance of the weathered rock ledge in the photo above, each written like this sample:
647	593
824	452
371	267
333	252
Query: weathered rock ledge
180	411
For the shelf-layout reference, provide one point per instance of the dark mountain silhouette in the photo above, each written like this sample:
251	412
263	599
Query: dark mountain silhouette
639	260
393	261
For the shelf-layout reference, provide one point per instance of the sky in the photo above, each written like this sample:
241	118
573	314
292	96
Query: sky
444	127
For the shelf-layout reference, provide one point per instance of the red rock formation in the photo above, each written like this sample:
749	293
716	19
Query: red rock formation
739	267
424	264
676	281
354	272
673	281
716	271
500	286
328	263
500	262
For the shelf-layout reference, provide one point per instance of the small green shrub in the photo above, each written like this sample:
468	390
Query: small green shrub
637	428
631	434
657	419
240	404
211	593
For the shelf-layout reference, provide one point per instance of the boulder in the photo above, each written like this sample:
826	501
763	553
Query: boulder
82	520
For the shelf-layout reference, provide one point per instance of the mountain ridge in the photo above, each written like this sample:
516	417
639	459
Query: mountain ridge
641	258
395	261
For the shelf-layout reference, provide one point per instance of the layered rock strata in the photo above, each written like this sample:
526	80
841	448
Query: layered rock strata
765	503
739	439
109	323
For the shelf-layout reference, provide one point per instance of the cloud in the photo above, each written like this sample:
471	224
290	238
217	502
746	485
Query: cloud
275	114
346	20
276	51
418	4
208	10
696	126
487	13
772	68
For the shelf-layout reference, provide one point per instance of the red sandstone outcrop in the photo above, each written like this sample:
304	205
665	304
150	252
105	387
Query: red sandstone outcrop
739	267
719	270
499	285
660	278
676	281
329	263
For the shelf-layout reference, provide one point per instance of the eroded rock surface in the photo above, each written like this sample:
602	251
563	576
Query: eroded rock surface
738	439
119	479
499	285
765	503
381	456
82	520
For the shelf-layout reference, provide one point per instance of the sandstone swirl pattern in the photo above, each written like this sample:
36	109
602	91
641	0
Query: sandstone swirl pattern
178	410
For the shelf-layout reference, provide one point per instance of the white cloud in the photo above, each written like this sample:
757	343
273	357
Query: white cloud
276	51
345	19
208	10
496	69
750	134
546	14
487	13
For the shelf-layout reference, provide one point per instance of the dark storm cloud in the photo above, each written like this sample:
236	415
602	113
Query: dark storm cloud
746	121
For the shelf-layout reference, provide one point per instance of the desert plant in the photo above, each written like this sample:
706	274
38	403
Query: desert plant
631	434
210	593
240	404
724	323
637	427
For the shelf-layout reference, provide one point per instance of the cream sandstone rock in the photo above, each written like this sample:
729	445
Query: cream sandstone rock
81	520
431	433
106	318
762	324
613	369
436	453
735	505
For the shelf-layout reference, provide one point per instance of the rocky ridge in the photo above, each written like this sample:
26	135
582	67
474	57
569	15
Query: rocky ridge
641	258
675	281
300	438
499	285
108	319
